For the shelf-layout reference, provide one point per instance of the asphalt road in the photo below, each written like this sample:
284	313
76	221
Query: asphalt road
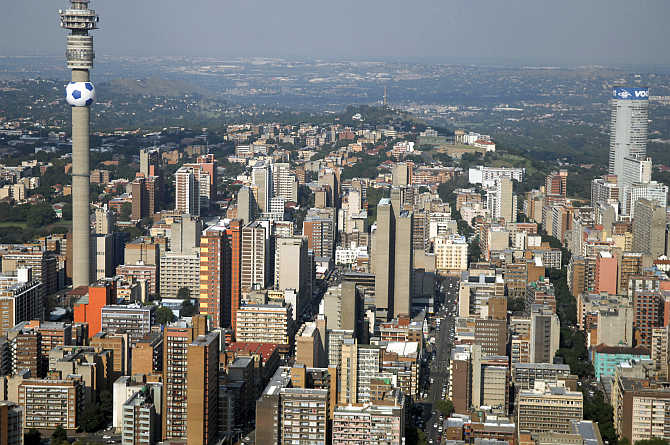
439	369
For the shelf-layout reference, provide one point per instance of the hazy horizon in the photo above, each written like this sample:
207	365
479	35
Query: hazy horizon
517	32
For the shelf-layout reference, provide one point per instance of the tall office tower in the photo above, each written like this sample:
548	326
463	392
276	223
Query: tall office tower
246	205
176	340
545	331
212	275
149	162
261	178
152	190
505	200
140	205
649	228
556	183
402	174
384	257
80	94
203	389
331	179
291	268
255	257
203	183
11	419
187	191
104	221
220	247
320	229
404	254
359	364
284	182
233	269
628	127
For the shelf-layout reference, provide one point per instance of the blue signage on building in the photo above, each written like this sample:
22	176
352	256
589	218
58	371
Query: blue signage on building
623	93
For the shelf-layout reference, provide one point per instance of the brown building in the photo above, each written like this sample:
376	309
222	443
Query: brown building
11	424
202	393
118	345
147	355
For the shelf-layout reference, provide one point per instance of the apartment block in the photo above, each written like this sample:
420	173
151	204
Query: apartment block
548	408
49	403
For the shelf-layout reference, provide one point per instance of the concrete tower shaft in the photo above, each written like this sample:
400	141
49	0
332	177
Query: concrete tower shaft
79	20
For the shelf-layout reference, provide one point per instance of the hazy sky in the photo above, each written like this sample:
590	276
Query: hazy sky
524	31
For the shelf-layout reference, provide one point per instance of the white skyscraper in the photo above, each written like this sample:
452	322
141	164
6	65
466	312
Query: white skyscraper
628	127
187	191
261	178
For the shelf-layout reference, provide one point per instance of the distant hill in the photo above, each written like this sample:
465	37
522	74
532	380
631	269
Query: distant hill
152	86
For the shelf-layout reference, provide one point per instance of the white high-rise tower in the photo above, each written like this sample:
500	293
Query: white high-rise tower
628	127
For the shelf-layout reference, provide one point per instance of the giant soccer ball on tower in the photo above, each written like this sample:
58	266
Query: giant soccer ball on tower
80	94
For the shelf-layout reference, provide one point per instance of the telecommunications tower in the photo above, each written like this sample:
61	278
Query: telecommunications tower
80	94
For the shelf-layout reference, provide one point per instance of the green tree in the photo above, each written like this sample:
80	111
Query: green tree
126	210
94	419
187	308
164	315
59	436
32	437
446	407
40	215
184	293
106	403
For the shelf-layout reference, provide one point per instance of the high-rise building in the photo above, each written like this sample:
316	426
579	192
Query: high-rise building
187	191
360	363
320	228
20	300
606	273
134	320
285	183
402	174
403	262
140	421
203	183
649	228
202	394
556	183
149	162
652	191
648	308
451	254
545	331
502	201
628	127
261	179
246	205
140	204
63	397
11	419
256	261
292	268
104	220
212	301
384	256
373	424
605	189
548	407
176	368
